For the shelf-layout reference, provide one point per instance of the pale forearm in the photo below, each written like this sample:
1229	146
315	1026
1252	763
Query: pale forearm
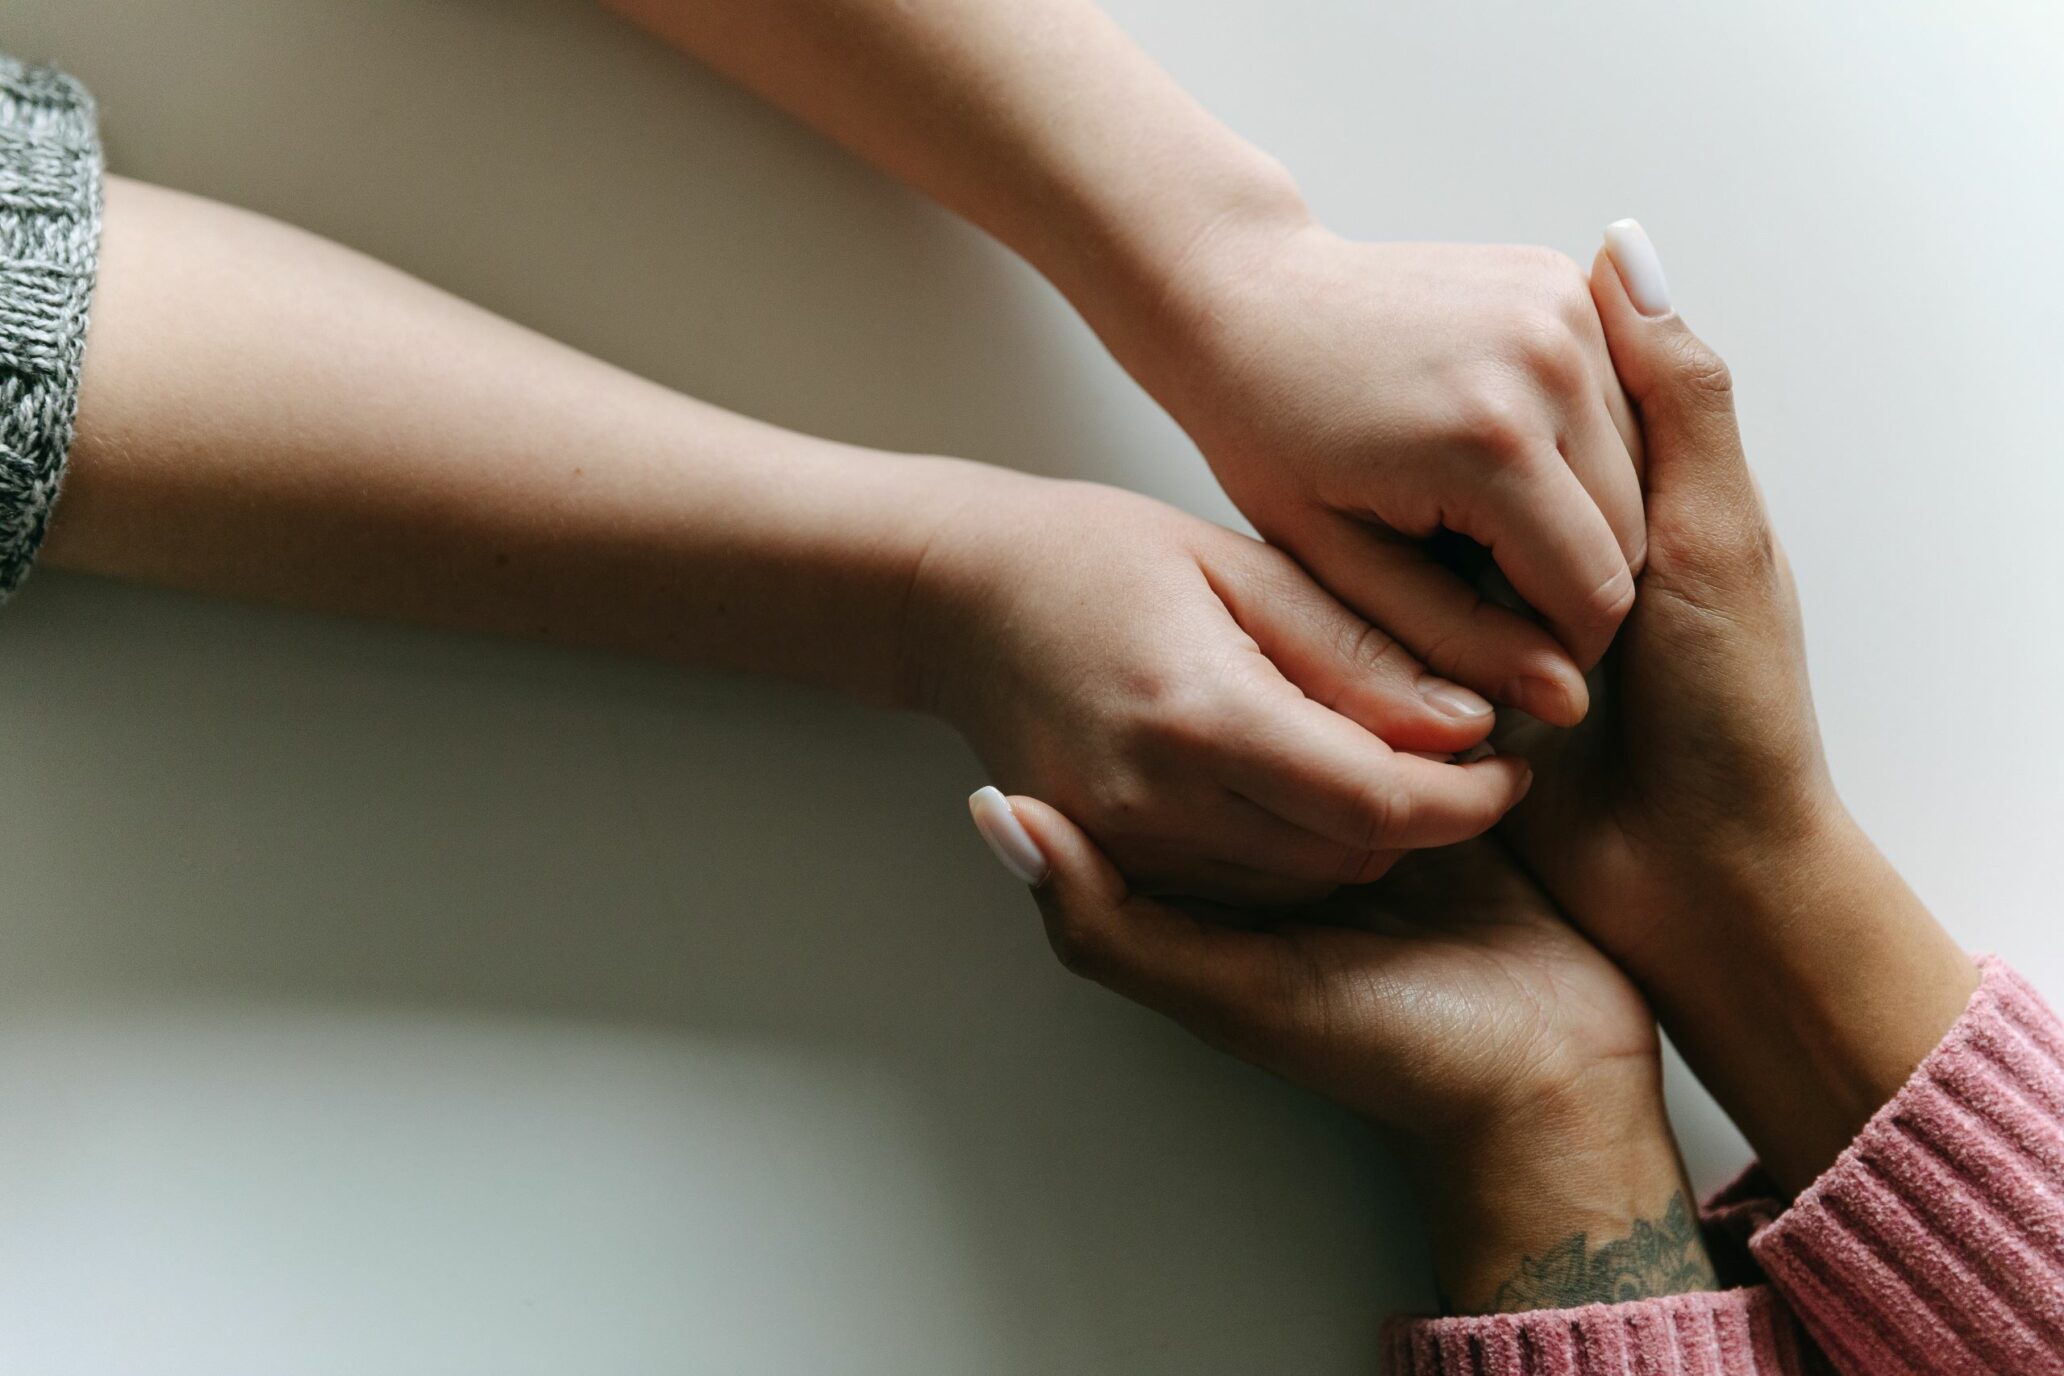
267	416
1040	121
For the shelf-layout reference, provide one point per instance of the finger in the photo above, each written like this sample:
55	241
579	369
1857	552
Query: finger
1207	976
1681	387
1236	837
1341	661
1698	477
1555	546
1477	879
1244	896
1320	771
1596	453
1619	409
1394	581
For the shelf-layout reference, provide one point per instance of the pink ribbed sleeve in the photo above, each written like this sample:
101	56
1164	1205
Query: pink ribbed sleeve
1746	1332
1935	1244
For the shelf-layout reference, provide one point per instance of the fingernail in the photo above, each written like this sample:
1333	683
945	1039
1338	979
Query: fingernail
1006	835
1451	699
1482	750
1640	269
1526	782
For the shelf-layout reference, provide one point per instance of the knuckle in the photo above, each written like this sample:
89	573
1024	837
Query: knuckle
1610	602
1636	549
1490	422
1076	944
1747	548
1381	814
1548	352
1561	282
1696	368
1451	650
1550	265
1571	289
1184	721
1368	652
1117	797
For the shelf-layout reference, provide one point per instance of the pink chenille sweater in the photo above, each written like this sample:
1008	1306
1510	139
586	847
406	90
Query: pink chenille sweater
1934	1244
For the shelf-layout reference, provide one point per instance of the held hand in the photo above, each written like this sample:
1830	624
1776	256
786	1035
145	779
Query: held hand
1445	997
1355	399
1690	827
1704	752
1515	1067
1220	725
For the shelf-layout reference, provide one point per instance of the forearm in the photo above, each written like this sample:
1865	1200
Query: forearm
1040	121
267	416
1806	984
1567	1201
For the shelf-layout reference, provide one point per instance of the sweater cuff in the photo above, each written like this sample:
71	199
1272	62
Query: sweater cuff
49	238
1744	1332
1935	1243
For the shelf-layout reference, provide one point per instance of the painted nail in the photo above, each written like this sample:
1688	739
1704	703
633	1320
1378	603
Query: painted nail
1640	269
1451	699
1006	835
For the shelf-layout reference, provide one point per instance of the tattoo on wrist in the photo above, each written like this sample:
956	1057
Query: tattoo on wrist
1661	1256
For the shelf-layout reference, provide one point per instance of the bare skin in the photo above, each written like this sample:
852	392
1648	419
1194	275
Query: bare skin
1515	1069
268	416
1352	398
1691	827
1688	831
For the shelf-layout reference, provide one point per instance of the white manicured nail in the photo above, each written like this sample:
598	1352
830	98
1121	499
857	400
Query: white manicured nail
1006	835
1640	269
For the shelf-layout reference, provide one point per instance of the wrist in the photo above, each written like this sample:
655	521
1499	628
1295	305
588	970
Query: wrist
1815	985
1147	265
1576	1196
958	570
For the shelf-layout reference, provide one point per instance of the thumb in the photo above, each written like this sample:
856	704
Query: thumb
1699	491
1220	982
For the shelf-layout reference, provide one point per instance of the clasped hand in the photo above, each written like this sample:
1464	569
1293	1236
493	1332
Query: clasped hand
1490	1003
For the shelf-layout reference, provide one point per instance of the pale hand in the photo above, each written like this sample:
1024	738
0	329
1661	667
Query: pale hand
1356	399
1221	725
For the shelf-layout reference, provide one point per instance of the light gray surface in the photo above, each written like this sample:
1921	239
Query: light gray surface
382	1001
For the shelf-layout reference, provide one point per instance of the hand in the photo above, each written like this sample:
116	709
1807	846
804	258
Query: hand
1355	399
1220	725
1449	1004
1705	752
1690	826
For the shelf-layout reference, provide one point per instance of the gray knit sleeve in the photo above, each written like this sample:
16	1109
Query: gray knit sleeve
50	171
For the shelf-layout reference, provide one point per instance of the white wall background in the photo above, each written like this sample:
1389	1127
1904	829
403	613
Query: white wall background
380	1001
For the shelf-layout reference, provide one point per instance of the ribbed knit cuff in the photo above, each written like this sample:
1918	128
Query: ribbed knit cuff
49	237
1744	1332
1935	1243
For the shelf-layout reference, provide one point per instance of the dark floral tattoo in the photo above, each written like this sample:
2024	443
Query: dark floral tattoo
1662	1256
